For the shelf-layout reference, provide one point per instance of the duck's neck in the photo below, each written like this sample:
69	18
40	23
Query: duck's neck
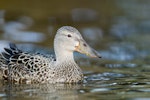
63	56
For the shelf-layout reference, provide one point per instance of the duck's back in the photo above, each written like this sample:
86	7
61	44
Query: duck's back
20	67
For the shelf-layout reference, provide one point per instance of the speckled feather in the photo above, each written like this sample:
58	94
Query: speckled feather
22	67
17	66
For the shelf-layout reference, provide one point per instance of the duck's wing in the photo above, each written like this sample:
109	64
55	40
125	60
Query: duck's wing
20	66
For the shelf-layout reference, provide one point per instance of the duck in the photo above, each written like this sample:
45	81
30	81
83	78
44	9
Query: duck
17	66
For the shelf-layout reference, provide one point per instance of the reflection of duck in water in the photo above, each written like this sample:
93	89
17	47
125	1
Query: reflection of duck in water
23	67
41	91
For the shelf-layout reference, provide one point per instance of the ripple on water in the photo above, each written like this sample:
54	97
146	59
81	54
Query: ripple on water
144	90
2	95
128	65
104	76
100	90
121	52
16	31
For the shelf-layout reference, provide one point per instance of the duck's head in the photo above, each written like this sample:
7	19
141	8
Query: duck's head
69	39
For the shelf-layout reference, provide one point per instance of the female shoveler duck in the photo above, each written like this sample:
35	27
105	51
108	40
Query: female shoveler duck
21	67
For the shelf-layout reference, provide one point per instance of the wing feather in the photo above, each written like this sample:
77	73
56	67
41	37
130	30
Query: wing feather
23	65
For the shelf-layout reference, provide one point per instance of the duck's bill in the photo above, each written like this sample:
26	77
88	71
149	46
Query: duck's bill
84	48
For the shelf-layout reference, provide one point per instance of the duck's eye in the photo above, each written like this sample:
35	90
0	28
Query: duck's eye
84	44
69	35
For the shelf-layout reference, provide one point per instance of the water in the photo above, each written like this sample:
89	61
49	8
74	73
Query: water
118	29
98	86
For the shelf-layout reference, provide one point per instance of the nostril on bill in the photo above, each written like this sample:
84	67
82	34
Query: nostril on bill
99	57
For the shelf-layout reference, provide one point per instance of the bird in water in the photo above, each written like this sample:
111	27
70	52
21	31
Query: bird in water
17	66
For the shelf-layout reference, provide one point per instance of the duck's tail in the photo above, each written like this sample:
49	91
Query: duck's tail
9	52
